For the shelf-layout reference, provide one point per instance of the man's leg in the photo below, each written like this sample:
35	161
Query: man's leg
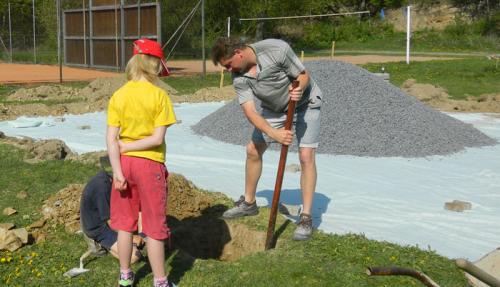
253	168
308	176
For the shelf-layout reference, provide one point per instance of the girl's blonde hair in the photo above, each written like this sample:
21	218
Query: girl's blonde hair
143	65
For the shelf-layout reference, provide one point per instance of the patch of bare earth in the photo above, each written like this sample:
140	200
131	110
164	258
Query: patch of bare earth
56	100
193	216
438	98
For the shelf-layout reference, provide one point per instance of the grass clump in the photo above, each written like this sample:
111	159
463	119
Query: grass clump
462	77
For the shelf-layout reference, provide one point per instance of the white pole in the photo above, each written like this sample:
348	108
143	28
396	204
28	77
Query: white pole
408	33
228	27
10	35
34	30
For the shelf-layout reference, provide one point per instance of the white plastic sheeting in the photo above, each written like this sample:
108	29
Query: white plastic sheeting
394	199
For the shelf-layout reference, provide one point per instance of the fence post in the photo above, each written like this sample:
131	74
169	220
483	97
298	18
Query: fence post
203	38
10	35
408	32
59	39
91	34
34	31
122	34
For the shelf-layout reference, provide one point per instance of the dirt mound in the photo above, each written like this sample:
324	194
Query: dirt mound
41	150
438	98
64	207
94	97
44	93
210	94
193	216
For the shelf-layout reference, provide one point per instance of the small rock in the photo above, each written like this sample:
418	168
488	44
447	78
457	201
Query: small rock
9	211
37	224
22	195
57	203
84	127
457	205
22	234
293	167
7	226
60	120
26	216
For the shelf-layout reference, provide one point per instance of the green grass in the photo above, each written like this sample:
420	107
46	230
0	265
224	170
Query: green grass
327	260
39	180
191	84
425	41
462	78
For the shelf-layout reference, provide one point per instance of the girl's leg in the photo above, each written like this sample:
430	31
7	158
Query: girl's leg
156	255
124	249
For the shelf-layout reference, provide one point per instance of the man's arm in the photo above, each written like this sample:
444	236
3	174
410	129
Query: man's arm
280	135
296	93
152	141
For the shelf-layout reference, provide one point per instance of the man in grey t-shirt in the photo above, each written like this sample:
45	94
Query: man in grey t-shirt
265	70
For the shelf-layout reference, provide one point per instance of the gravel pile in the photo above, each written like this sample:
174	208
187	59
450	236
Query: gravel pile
363	116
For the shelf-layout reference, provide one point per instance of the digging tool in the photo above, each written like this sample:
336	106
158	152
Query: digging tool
73	272
426	280
279	177
92	249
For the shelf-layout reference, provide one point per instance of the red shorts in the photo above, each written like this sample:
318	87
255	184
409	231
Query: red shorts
146	192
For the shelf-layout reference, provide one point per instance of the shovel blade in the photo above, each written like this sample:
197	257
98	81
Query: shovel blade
75	272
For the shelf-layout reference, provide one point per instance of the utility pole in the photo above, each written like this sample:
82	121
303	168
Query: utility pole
203	38
34	30
10	35
59	39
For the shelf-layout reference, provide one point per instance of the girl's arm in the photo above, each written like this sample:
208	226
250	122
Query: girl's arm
152	141
119	181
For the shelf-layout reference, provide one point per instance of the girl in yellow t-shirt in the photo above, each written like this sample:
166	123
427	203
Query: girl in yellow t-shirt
138	116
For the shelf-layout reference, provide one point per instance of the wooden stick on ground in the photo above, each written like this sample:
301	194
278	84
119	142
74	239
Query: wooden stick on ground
477	272
398	271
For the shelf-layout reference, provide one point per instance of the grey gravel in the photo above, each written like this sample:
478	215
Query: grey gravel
363	116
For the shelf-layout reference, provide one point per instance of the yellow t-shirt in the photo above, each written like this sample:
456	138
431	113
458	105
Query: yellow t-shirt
137	109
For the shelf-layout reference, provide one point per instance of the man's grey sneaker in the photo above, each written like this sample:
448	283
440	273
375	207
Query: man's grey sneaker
304	228
242	208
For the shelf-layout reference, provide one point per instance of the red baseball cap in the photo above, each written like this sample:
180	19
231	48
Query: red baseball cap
153	48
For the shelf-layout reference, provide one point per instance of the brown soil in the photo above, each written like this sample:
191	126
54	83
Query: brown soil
193	216
434	17
91	98
438	98
41	150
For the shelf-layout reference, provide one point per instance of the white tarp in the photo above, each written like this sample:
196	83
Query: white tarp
394	199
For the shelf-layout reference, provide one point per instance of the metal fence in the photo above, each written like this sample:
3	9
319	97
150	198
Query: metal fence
102	35
29	30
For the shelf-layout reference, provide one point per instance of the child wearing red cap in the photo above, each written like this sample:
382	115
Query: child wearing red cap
138	116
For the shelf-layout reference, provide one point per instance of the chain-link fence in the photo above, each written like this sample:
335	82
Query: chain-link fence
29	28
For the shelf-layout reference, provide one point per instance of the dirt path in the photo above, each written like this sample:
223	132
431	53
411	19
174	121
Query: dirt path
25	73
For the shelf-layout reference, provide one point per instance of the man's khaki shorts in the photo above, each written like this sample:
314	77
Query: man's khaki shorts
306	122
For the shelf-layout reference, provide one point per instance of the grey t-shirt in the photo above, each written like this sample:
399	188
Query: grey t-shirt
277	67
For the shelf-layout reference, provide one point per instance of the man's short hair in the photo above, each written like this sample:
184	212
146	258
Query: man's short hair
224	48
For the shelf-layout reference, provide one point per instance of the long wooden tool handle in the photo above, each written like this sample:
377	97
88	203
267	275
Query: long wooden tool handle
279	177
